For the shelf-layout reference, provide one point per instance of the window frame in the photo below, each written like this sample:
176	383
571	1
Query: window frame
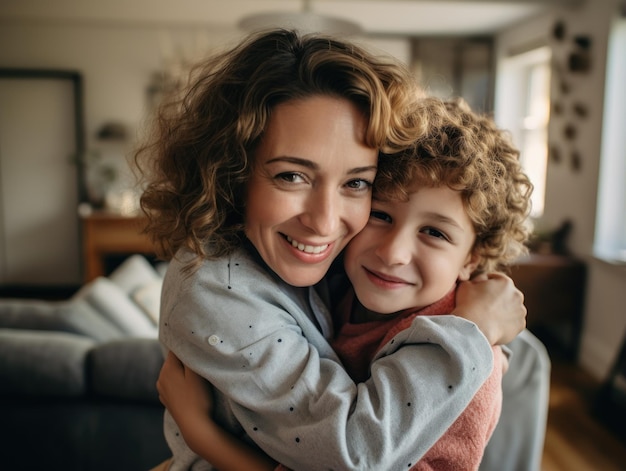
610	229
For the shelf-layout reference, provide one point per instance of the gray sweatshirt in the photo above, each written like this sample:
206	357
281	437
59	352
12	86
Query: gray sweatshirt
264	347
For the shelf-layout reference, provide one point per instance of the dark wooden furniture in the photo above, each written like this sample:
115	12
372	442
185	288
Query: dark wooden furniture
108	234
554	290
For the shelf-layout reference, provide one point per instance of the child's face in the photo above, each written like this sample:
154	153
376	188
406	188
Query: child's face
410	254
310	191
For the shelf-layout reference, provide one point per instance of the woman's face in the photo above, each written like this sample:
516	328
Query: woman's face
310	190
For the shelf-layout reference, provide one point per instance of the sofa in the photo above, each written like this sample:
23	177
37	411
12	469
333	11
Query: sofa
77	377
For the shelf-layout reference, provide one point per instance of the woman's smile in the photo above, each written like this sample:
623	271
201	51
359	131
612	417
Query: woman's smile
303	247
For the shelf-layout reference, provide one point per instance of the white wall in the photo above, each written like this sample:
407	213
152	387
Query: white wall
117	60
573	194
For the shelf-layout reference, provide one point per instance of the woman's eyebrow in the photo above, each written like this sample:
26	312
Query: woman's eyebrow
314	166
294	160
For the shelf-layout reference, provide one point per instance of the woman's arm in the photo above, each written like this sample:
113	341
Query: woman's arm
187	397
252	339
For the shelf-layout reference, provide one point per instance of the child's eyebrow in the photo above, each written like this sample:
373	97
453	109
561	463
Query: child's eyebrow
443	219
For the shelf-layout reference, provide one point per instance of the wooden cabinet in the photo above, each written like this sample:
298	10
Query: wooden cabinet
554	291
108	234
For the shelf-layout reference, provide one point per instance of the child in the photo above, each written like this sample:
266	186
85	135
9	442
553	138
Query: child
451	207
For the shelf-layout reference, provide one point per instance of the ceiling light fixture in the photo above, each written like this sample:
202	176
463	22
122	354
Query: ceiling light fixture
305	21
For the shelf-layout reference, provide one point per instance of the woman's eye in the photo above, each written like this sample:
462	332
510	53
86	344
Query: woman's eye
290	177
359	184
380	215
432	232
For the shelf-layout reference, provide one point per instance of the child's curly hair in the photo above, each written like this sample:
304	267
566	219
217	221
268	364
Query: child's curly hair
468	153
197	160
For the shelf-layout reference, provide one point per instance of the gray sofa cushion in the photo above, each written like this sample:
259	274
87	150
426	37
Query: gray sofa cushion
127	369
76	317
42	363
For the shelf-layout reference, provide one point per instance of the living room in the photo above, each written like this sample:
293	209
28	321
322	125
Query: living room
121	50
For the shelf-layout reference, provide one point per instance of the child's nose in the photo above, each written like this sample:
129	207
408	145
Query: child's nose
395	248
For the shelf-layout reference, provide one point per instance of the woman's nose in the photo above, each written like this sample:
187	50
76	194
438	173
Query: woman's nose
322	214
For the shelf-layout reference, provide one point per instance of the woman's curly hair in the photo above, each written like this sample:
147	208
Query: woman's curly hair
197	160
468	153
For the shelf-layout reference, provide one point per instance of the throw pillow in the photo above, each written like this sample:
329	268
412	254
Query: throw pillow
148	298
134	273
111	302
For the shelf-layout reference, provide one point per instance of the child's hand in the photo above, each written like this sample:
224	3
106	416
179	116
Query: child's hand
494	304
184	393
188	398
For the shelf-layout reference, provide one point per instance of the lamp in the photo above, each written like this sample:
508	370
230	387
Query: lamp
304	21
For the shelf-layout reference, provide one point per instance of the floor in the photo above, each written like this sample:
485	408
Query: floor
575	439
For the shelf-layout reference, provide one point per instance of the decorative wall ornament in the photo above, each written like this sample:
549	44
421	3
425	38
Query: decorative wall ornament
580	59
558	30
580	110
555	154
571	56
575	160
570	132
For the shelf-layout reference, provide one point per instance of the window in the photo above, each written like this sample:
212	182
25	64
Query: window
523	108
610	236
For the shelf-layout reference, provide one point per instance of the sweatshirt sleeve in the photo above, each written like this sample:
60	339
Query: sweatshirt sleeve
300	406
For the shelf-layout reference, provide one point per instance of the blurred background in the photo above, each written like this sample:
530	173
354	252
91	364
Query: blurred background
79	78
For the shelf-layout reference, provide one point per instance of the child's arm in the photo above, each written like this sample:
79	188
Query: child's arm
479	301
186	396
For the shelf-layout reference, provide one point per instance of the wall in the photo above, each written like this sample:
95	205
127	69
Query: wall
118	61
573	194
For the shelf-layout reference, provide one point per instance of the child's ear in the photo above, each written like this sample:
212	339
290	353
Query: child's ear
468	268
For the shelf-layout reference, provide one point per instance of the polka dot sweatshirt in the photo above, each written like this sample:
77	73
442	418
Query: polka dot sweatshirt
264	346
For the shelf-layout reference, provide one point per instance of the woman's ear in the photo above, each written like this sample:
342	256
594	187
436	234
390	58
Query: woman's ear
469	266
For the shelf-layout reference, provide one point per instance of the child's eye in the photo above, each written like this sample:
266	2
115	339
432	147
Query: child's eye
380	215
359	184
432	232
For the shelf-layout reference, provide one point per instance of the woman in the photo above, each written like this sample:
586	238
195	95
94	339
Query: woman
263	175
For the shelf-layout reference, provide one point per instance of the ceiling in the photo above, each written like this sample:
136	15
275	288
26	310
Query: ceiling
376	17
